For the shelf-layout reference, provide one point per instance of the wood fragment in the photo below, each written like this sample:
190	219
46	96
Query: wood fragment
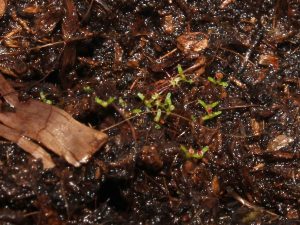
226	3
3	4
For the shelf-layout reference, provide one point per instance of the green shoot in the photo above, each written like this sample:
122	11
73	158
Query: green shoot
193	118
155	104
176	80
191	153
122	103
148	103
218	82
137	111
211	115
44	99
141	96
158	115
157	126
208	107
103	103
209	110
88	89
168	106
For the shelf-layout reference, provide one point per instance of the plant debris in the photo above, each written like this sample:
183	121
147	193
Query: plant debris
49	126
195	104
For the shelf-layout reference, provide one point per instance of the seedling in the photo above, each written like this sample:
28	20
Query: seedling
218	80
44	99
137	111
168	106
103	103
88	89
155	104
209	110
182	78
191	153
122	103
158	115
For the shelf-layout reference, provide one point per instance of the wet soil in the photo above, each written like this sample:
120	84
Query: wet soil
153	169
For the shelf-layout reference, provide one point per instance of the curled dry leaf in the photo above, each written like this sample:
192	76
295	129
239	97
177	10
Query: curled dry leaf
49	126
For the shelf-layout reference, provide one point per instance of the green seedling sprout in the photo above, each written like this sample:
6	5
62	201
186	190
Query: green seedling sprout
148	103
191	153
122	103
155	104
176	80
218	82
103	103
137	111
88	89
158	116
44	99
209	110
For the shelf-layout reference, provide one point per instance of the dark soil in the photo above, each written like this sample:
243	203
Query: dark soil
75	51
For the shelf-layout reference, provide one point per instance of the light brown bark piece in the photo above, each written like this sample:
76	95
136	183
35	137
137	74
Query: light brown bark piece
3	4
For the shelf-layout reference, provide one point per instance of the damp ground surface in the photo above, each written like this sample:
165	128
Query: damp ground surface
200	100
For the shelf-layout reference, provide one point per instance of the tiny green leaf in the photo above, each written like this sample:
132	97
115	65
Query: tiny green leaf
180	70
148	104
183	148
203	104
87	89
103	103
136	111
224	84
168	100
211	115
213	105
155	96
141	96
211	79
191	154
218	82
175	81
205	149
193	118
122	103
157	126
44	99
158	115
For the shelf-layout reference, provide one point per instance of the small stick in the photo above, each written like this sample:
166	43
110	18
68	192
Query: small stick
248	204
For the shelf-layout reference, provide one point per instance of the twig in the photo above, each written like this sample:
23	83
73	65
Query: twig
144	113
238	107
246	203
128	121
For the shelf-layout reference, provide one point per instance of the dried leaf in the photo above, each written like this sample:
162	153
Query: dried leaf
35	150
52	127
